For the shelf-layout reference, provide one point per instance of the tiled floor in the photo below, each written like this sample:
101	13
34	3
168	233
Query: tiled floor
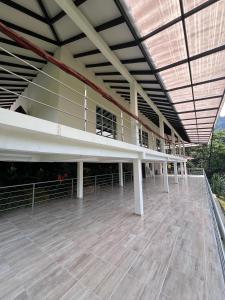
97	249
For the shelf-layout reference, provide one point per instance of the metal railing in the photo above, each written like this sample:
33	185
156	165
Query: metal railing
195	171
31	194
218	224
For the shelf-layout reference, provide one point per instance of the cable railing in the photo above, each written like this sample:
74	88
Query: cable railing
219	227
70	106
31	194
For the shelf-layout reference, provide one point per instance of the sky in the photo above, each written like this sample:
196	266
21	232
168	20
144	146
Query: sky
222	113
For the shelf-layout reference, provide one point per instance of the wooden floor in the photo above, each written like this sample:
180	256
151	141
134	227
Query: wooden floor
97	249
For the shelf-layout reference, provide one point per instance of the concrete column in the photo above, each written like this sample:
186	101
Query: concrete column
80	180
165	177
161	132
134	110
182	169
121	174
153	169
179	145
185	168
147	170
175	172
138	191
173	143
183	149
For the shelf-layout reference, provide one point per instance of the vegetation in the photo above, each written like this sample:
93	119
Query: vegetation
212	158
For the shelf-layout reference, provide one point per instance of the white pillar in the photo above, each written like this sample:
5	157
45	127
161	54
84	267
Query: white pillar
134	110
182	169
153	169
121	174
165	177
183	149
175	172
138	192
179	145
185	168
173	143
80	180
161	132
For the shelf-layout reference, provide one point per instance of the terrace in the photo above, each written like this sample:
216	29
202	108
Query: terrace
96	248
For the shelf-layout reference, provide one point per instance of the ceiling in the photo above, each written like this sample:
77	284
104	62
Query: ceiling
181	72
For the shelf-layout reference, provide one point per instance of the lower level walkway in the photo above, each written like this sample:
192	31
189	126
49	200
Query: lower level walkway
98	249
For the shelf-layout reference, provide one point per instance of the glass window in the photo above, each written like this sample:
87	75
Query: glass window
105	123
143	140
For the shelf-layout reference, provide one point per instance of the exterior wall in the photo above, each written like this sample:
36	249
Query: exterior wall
76	108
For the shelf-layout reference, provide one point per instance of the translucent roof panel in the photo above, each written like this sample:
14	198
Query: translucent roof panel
208	67
209	90
208	103
181	95
184	106
187	122
176	77
168	46
149	15
206	113
206	28
189	5
205	126
209	120
189	115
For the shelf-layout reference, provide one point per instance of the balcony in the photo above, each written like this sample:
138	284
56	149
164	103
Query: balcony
96	248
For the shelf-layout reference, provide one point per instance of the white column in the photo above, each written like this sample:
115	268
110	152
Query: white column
134	110
147	170
165	177
80	180
153	169
185	168
182	169
173	143
179	144
183	149
121	174
161	132
138	192
175	172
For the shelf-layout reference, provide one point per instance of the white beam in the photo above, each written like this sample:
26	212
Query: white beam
80	193
121	174
165	177
82	22
138	191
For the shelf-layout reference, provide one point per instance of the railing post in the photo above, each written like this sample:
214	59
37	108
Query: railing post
33	195
122	125
85	107
72	187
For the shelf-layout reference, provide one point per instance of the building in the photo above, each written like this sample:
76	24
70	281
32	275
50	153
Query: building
111	81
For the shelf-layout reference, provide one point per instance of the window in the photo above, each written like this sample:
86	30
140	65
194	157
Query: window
158	148
105	123
143	140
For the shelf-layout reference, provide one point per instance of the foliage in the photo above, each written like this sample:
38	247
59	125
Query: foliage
212	158
218	184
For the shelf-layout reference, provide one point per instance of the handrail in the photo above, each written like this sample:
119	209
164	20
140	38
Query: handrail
218	225
42	53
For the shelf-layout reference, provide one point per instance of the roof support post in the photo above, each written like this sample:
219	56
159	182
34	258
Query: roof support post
121	174
173	142
80	191
165	177
134	110
175	172
138	191
161	132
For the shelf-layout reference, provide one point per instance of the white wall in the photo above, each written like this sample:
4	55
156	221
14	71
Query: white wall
74	107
